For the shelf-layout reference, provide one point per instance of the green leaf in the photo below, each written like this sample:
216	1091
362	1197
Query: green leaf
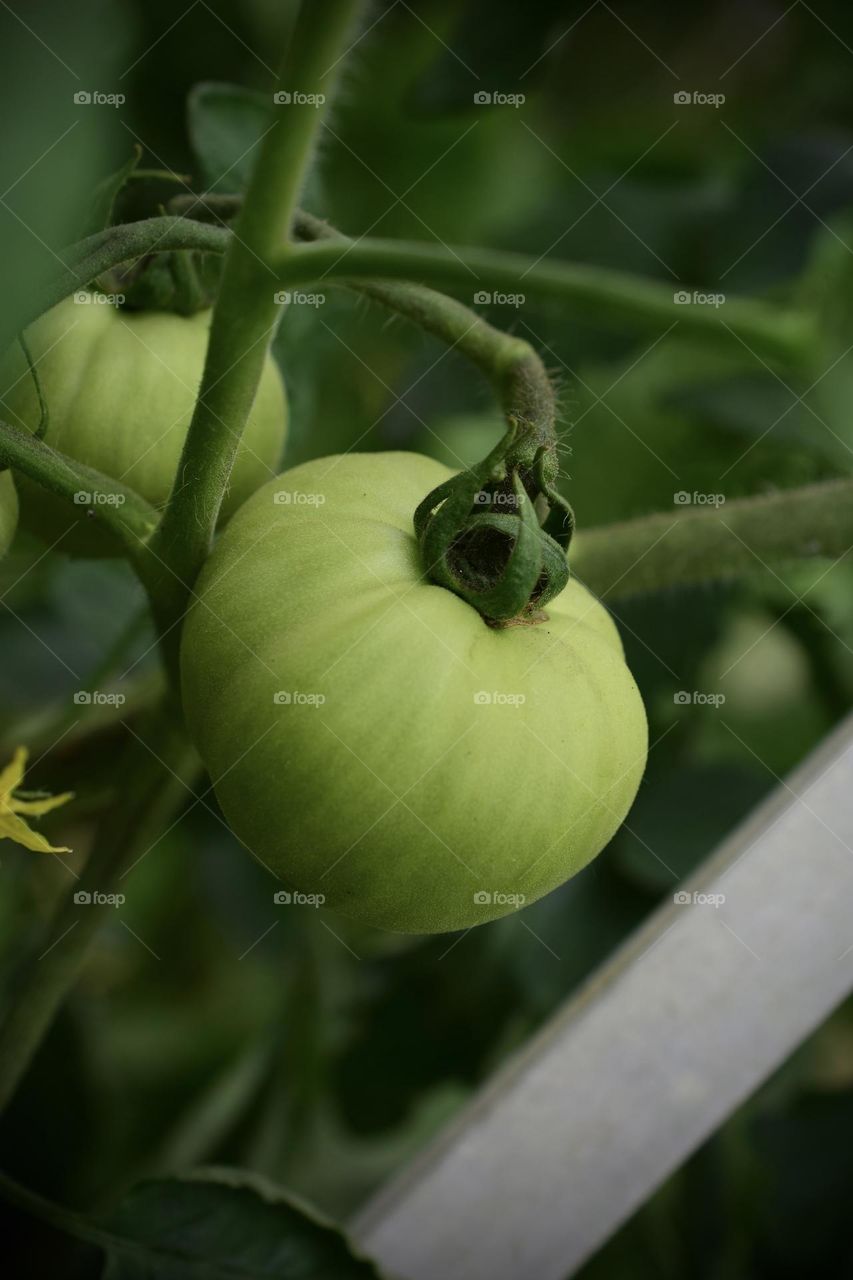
107	191
225	122
221	1224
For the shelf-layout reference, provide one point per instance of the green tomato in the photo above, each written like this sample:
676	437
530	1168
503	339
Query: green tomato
8	511
120	389
375	743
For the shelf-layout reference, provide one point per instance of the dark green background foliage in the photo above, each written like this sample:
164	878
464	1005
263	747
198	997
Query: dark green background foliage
214	1029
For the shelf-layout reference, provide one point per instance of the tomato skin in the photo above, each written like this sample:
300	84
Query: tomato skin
402	795
8	511
120	388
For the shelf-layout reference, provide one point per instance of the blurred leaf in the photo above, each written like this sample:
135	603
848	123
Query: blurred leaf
225	122
231	1224
107	192
216	1223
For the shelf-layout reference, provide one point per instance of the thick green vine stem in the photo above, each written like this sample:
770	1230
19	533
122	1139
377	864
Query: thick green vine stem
118	507
741	536
246	312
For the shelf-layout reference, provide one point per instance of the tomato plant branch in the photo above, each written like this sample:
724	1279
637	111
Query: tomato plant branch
481	532
161	765
611	297
84	261
511	364
742	536
606	296
118	507
246	312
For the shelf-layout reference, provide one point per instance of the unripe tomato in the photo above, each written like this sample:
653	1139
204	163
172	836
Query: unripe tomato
370	738
8	511
120	388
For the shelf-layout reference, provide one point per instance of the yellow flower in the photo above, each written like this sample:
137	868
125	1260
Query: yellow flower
11	826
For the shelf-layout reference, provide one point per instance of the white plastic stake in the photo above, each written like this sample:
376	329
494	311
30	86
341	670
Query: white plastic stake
677	1029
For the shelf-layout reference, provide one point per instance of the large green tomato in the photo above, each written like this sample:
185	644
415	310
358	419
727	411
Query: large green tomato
120	388
370	738
8	511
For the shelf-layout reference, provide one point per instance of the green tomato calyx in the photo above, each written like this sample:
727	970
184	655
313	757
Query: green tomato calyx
481	533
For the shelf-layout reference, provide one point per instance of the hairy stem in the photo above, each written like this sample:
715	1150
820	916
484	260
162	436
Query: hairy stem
690	545
511	364
606	296
161	764
90	258
118	507
246	312
614	298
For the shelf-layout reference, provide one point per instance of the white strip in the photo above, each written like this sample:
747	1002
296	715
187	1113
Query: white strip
699	1007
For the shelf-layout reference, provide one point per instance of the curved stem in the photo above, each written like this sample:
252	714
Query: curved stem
44	414
246	311
161	764
90	258
608	296
511	364
120	508
690	545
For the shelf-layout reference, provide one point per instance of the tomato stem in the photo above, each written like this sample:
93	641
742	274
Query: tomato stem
246	312
692	545
114	247
118	507
785	335
501	561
